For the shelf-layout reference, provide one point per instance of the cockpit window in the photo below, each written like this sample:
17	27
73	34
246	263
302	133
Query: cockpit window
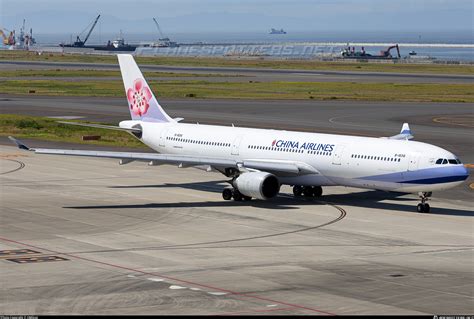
446	161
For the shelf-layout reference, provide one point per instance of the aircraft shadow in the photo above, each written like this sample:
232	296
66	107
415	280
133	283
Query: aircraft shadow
369	199
213	186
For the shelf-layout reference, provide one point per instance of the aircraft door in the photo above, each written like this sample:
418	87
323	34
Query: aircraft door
163	137
236	145
414	161
337	156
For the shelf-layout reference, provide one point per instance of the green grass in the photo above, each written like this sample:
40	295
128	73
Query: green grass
257	63
96	73
44	128
419	92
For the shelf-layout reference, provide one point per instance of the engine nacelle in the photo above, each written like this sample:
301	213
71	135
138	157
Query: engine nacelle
259	185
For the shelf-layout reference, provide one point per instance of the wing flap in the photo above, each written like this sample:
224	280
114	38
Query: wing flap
165	158
289	167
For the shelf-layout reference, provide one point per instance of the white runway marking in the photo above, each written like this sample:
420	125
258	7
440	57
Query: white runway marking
66	117
177	287
155	279
217	293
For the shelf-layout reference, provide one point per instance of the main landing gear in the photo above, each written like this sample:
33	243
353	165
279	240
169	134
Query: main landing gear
307	191
228	193
423	207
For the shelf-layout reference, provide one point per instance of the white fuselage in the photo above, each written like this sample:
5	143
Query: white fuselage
366	162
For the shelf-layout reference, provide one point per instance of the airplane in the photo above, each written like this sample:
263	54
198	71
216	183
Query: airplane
259	161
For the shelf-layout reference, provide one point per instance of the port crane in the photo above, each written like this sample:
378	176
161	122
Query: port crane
4	37
79	42
10	40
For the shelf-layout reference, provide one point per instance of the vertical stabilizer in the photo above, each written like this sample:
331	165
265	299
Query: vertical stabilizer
141	101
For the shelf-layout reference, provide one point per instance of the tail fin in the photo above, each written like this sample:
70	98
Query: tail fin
141	101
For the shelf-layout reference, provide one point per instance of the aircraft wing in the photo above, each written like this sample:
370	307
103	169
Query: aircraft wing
279	168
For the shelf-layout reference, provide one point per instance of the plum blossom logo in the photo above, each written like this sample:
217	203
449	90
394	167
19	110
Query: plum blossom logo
138	97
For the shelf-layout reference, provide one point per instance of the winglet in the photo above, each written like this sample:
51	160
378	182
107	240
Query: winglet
19	143
405	133
405	129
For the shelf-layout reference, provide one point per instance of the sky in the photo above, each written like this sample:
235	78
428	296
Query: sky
194	16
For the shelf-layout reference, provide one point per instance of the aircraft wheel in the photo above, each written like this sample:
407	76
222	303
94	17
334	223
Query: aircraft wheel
237	196
297	190
423	208
426	208
318	191
227	194
246	198
308	191
419	208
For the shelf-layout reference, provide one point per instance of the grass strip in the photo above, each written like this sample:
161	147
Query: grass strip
417	92
43	128
343	65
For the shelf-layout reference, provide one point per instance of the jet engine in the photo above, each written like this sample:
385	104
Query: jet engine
259	185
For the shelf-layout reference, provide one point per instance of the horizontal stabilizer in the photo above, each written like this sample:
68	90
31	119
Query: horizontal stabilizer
108	127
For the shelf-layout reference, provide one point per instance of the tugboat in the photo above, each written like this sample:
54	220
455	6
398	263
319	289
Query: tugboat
275	31
116	45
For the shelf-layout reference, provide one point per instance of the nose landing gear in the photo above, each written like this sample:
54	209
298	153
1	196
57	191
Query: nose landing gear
424	207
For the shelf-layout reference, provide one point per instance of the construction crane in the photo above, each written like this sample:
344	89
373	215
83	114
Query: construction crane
159	30
79	42
163	41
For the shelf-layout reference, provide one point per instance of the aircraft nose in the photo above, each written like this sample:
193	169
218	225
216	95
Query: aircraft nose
464	171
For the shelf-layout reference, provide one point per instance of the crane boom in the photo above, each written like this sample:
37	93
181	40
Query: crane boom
92	28
158	27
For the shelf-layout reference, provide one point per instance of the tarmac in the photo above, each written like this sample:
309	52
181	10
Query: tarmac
87	236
